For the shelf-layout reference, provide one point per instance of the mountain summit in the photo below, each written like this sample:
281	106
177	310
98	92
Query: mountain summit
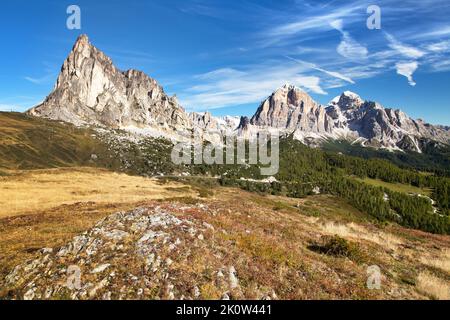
91	90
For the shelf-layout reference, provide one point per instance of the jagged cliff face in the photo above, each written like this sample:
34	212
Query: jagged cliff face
347	117
90	89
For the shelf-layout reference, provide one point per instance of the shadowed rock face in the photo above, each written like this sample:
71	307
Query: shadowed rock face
90	89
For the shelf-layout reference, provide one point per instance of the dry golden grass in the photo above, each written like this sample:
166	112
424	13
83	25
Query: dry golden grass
432	286
359	232
441	261
26	192
46	208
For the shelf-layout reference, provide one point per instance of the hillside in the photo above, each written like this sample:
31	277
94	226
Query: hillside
28	142
33	143
185	246
184	235
302	169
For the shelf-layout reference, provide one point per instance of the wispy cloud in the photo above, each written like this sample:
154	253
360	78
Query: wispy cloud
19	103
407	69
7	107
403	49
437	47
49	71
318	22
42	80
349	47
437	32
330	73
227	87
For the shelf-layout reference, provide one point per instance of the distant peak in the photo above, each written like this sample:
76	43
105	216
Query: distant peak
288	87
348	100
351	94
82	39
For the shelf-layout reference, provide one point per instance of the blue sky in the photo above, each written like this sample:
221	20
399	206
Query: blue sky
227	56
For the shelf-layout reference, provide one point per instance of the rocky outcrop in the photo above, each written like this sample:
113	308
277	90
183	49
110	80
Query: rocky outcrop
205	121
163	250
146	253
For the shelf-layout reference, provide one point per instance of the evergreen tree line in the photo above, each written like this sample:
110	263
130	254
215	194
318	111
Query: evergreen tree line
303	169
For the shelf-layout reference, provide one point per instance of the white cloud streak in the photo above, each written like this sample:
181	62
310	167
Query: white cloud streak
227	87
330	73
41	80
403	49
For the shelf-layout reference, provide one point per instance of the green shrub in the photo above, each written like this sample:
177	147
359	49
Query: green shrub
337	247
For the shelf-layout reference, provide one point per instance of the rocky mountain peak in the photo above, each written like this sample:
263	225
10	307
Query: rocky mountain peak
290	108
348	116
82	40
91	90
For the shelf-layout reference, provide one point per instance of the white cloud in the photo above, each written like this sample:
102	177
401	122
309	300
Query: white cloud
407	69
318	22
441	65
439	46
338	25
42	80
435	33
333	74
8	108
349	47
228	87
405	50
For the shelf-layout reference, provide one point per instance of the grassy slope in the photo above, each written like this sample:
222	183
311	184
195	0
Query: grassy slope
53	187
32	143
397	187
64	203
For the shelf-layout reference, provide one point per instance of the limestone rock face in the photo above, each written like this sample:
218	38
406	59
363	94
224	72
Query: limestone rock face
91	90
292	109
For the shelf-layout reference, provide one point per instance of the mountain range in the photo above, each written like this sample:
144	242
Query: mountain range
90	90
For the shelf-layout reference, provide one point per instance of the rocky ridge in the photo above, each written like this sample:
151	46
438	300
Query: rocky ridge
90	90
348	117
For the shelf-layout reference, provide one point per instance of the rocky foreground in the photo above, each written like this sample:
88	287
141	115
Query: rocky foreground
254	248
144	253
